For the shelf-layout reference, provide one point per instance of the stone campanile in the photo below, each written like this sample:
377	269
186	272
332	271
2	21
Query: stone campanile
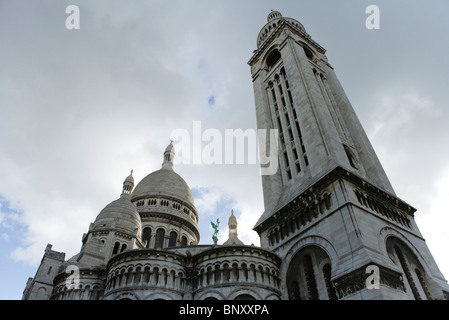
330	210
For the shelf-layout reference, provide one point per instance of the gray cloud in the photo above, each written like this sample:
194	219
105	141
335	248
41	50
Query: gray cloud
80	108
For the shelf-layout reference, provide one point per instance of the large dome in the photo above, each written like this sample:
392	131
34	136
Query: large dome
164	182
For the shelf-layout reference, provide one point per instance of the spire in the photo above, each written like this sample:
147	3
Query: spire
128	185
169	155
233	237
232	224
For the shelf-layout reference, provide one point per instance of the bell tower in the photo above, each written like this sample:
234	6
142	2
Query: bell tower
330	210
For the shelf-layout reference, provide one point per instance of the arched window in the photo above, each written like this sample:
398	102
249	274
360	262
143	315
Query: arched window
272	58
183	241
304	281
172	239
124	246
350	156
146	237
160	234
308	53
116	247
41	293
402	255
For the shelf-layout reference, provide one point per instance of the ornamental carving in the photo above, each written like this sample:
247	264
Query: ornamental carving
356	281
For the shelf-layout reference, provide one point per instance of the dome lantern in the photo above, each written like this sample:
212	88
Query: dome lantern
169	155
274	15
128	185
233	236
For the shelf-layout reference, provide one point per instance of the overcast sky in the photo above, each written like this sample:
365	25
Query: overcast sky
80	108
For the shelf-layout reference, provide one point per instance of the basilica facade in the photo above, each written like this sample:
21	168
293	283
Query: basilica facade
333	227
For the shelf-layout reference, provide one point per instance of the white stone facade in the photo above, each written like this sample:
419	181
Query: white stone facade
331	213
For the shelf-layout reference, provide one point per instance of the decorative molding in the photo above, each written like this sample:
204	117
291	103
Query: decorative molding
356	280
310	193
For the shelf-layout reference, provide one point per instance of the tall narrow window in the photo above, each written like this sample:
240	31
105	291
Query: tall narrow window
310	278
159	241
172	239
327	279
423	284
293	291
183	241
303	149
296	127
407	272
350	156
116	247
146	237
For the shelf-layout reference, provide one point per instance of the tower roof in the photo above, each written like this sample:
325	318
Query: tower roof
130	178
233	239
275	22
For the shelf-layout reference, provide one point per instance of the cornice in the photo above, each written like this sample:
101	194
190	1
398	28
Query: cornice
307	196
284	23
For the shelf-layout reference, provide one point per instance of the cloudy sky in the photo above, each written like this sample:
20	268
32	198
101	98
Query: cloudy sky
80	108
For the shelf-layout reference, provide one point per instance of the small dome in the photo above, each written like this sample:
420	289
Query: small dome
166	183
120	214
274	15
130	178
232	219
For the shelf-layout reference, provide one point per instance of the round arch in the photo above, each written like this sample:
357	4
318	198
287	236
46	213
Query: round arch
307	241
127	296
415	276
321	253
244	292
272	296
270	51
206	295
160	296
388	232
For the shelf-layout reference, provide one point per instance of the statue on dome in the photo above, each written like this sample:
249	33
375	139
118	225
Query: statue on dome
215	227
